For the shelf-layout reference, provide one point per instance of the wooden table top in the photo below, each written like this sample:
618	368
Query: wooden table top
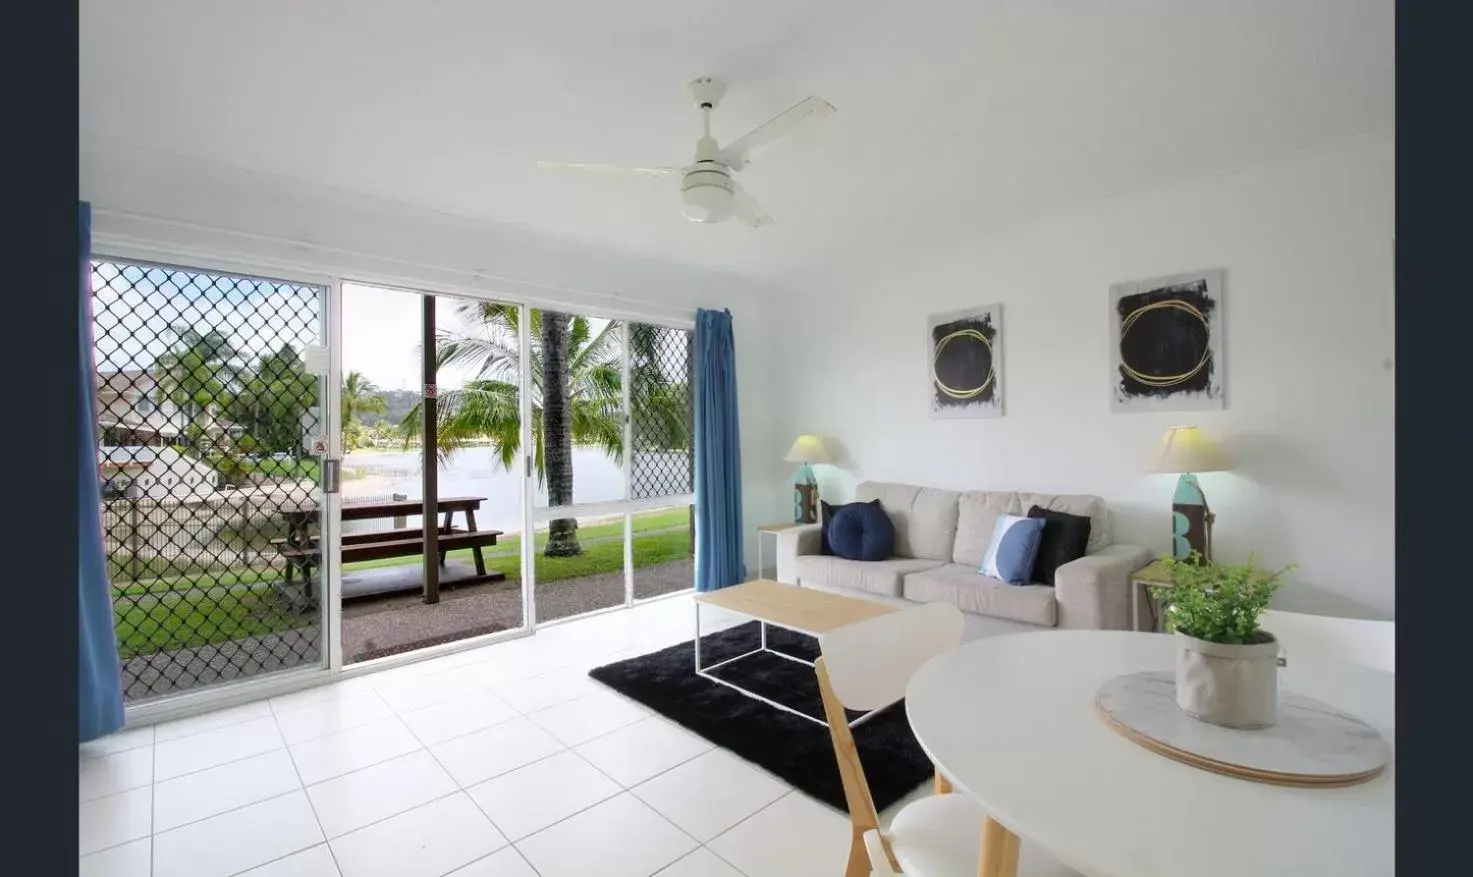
802	609
778	528
1153	572
391	508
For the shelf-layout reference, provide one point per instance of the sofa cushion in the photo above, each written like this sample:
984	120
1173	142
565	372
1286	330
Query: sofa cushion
1013	549
1065	539
871	576
924	518
1092	507
861	531
970	591
977	514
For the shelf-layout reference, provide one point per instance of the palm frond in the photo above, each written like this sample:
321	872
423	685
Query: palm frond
600	384
602	349
492	355
482	408
594	424
578	328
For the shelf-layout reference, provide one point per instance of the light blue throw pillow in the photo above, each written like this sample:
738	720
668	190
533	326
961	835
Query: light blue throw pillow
1013	548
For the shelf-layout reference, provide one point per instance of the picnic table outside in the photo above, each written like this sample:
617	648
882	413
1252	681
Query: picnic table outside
303	553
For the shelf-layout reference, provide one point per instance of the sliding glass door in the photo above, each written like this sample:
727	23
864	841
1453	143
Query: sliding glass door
610	430
432	434
305	475
211	390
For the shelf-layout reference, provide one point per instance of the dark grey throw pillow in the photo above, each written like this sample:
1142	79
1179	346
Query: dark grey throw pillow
1065	537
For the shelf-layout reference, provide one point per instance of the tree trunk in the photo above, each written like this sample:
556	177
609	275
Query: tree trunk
557	434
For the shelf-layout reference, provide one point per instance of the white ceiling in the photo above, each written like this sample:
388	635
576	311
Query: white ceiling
953	117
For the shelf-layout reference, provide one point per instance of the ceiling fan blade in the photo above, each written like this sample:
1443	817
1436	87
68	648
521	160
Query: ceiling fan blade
747	210
606	168
807	110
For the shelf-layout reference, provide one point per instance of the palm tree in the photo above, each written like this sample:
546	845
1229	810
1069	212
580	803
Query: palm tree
361	396
576	397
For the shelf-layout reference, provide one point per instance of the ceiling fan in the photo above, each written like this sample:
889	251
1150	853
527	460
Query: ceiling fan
709	191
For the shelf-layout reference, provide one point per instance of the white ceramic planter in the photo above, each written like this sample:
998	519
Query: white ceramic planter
1228	685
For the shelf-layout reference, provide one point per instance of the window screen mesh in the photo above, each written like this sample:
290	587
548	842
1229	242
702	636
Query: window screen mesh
661	429
205	417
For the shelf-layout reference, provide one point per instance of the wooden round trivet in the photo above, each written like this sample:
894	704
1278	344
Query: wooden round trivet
1311	745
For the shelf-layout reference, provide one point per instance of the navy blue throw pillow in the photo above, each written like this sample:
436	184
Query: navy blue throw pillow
862	531
828	520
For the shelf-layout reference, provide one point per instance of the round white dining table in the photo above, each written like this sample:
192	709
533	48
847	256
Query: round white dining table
1011	722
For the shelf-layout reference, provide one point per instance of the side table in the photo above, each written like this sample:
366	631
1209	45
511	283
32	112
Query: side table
772	530
1152	574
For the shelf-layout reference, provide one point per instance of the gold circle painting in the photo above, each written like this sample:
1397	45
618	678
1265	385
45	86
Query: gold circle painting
953	341
1164	380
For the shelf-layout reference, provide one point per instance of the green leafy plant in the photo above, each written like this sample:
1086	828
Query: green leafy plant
1217	602
232	470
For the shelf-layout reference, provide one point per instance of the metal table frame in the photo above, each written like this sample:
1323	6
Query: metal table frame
705	672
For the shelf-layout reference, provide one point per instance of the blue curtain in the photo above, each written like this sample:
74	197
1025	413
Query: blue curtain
99	676
720	560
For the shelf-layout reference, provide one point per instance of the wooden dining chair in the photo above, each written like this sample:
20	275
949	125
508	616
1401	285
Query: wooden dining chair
1354	640
866	666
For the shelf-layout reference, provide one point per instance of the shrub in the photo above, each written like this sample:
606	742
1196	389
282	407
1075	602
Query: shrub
1217	602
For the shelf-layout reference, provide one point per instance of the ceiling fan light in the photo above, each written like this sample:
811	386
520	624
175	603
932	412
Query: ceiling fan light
706	196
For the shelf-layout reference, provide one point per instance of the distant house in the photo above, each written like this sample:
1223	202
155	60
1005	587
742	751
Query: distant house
131	412
143	472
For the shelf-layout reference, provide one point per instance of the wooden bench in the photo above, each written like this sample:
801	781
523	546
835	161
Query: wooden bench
400	543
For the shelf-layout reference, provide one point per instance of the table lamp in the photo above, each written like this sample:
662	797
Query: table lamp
1186	450
807	449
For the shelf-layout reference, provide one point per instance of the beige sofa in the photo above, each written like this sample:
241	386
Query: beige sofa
940	537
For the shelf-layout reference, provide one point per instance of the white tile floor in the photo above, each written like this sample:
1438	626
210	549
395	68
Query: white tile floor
502	762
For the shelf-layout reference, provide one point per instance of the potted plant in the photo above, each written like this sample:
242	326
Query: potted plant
1226	665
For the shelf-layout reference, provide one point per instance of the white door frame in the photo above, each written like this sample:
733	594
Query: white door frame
332	525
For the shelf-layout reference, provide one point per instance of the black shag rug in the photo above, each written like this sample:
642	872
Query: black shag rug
790	747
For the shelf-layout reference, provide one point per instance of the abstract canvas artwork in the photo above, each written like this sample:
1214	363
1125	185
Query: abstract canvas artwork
1166	343
965	350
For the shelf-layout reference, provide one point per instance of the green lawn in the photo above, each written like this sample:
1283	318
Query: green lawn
174	621
599	556
204	608
304	469
510	546
194	581
588	536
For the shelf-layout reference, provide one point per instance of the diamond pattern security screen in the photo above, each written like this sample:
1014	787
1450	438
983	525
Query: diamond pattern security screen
661	426
205	418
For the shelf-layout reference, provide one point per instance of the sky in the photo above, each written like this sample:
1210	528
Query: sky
381	337
135	307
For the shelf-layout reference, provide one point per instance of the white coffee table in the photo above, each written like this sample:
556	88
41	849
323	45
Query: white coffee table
787	606
1011	722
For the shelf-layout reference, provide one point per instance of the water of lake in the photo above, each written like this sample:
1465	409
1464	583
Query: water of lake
478	472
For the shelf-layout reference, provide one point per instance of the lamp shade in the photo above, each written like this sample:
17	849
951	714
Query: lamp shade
1187	449
808	449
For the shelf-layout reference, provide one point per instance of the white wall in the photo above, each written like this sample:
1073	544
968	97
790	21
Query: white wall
184	211
1307	244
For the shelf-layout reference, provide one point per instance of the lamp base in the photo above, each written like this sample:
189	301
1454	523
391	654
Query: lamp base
1191	521
805	496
